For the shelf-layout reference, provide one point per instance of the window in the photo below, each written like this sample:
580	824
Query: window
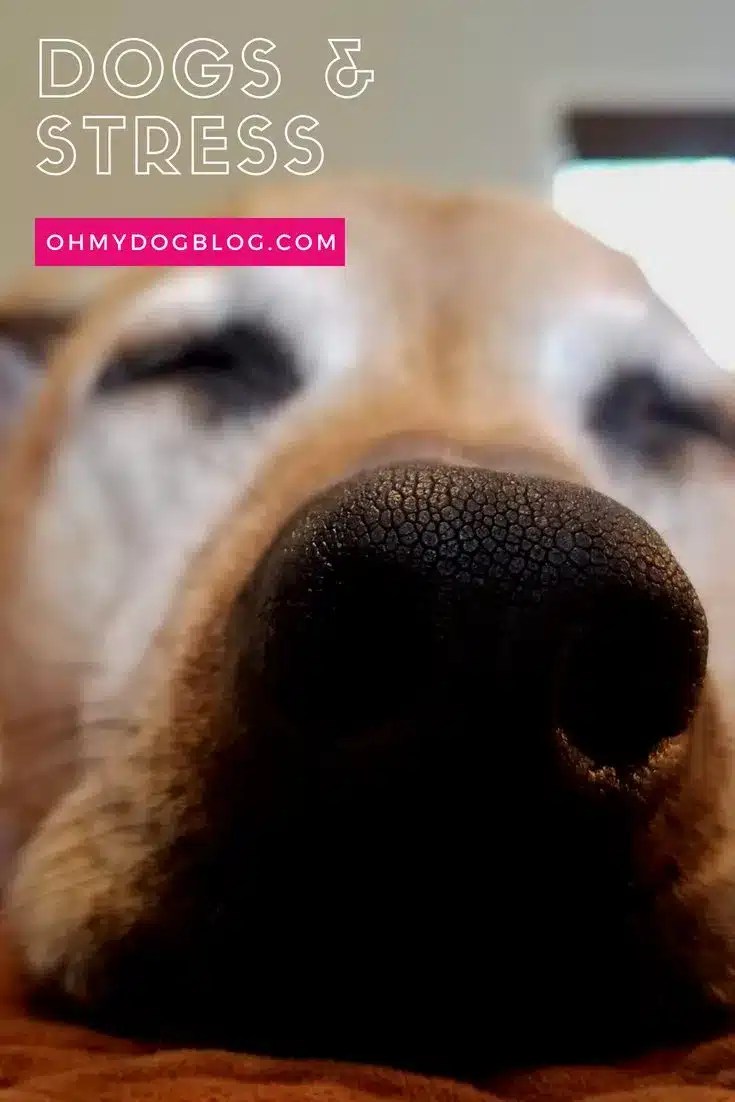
662	188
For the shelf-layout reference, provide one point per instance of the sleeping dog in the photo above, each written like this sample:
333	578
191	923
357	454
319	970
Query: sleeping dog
366	646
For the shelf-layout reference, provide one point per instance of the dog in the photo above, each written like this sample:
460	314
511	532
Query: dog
367	678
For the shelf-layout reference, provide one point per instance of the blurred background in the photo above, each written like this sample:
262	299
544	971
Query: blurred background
621	112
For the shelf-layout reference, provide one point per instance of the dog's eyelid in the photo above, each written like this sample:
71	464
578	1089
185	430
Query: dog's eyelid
239	367
637	412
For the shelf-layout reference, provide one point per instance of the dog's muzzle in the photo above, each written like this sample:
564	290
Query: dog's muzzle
452	703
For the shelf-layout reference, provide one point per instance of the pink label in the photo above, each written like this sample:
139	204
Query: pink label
172	242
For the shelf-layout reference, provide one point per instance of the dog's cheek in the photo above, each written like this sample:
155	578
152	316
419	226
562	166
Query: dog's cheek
74	891
689	854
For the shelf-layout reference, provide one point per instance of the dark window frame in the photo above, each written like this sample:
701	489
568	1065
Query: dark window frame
595	134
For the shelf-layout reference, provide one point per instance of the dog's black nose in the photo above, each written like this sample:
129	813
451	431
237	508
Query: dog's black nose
438	602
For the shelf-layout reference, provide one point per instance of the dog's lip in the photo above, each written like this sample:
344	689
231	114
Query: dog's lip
418	447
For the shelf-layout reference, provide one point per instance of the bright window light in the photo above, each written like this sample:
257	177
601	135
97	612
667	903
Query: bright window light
677	219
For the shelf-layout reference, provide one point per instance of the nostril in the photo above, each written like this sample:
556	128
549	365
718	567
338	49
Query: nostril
629	676
412	598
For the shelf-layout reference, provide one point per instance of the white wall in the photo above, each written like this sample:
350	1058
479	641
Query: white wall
465	90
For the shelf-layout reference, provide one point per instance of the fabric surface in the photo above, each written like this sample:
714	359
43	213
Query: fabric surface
43	1061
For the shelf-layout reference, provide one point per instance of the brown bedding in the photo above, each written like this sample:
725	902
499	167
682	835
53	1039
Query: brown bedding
43	1061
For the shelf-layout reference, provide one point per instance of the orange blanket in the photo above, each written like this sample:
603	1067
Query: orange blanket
51	1062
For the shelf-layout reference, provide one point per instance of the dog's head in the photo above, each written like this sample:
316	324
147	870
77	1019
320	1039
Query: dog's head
349	708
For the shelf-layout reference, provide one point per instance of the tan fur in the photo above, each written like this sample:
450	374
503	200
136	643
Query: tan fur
463	307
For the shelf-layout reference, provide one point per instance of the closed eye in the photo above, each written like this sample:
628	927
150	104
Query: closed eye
238	368
636	413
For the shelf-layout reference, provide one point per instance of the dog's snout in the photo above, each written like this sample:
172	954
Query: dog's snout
431	605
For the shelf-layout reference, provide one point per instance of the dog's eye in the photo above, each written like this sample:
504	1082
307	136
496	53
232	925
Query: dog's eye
35	331
239	368
636	414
